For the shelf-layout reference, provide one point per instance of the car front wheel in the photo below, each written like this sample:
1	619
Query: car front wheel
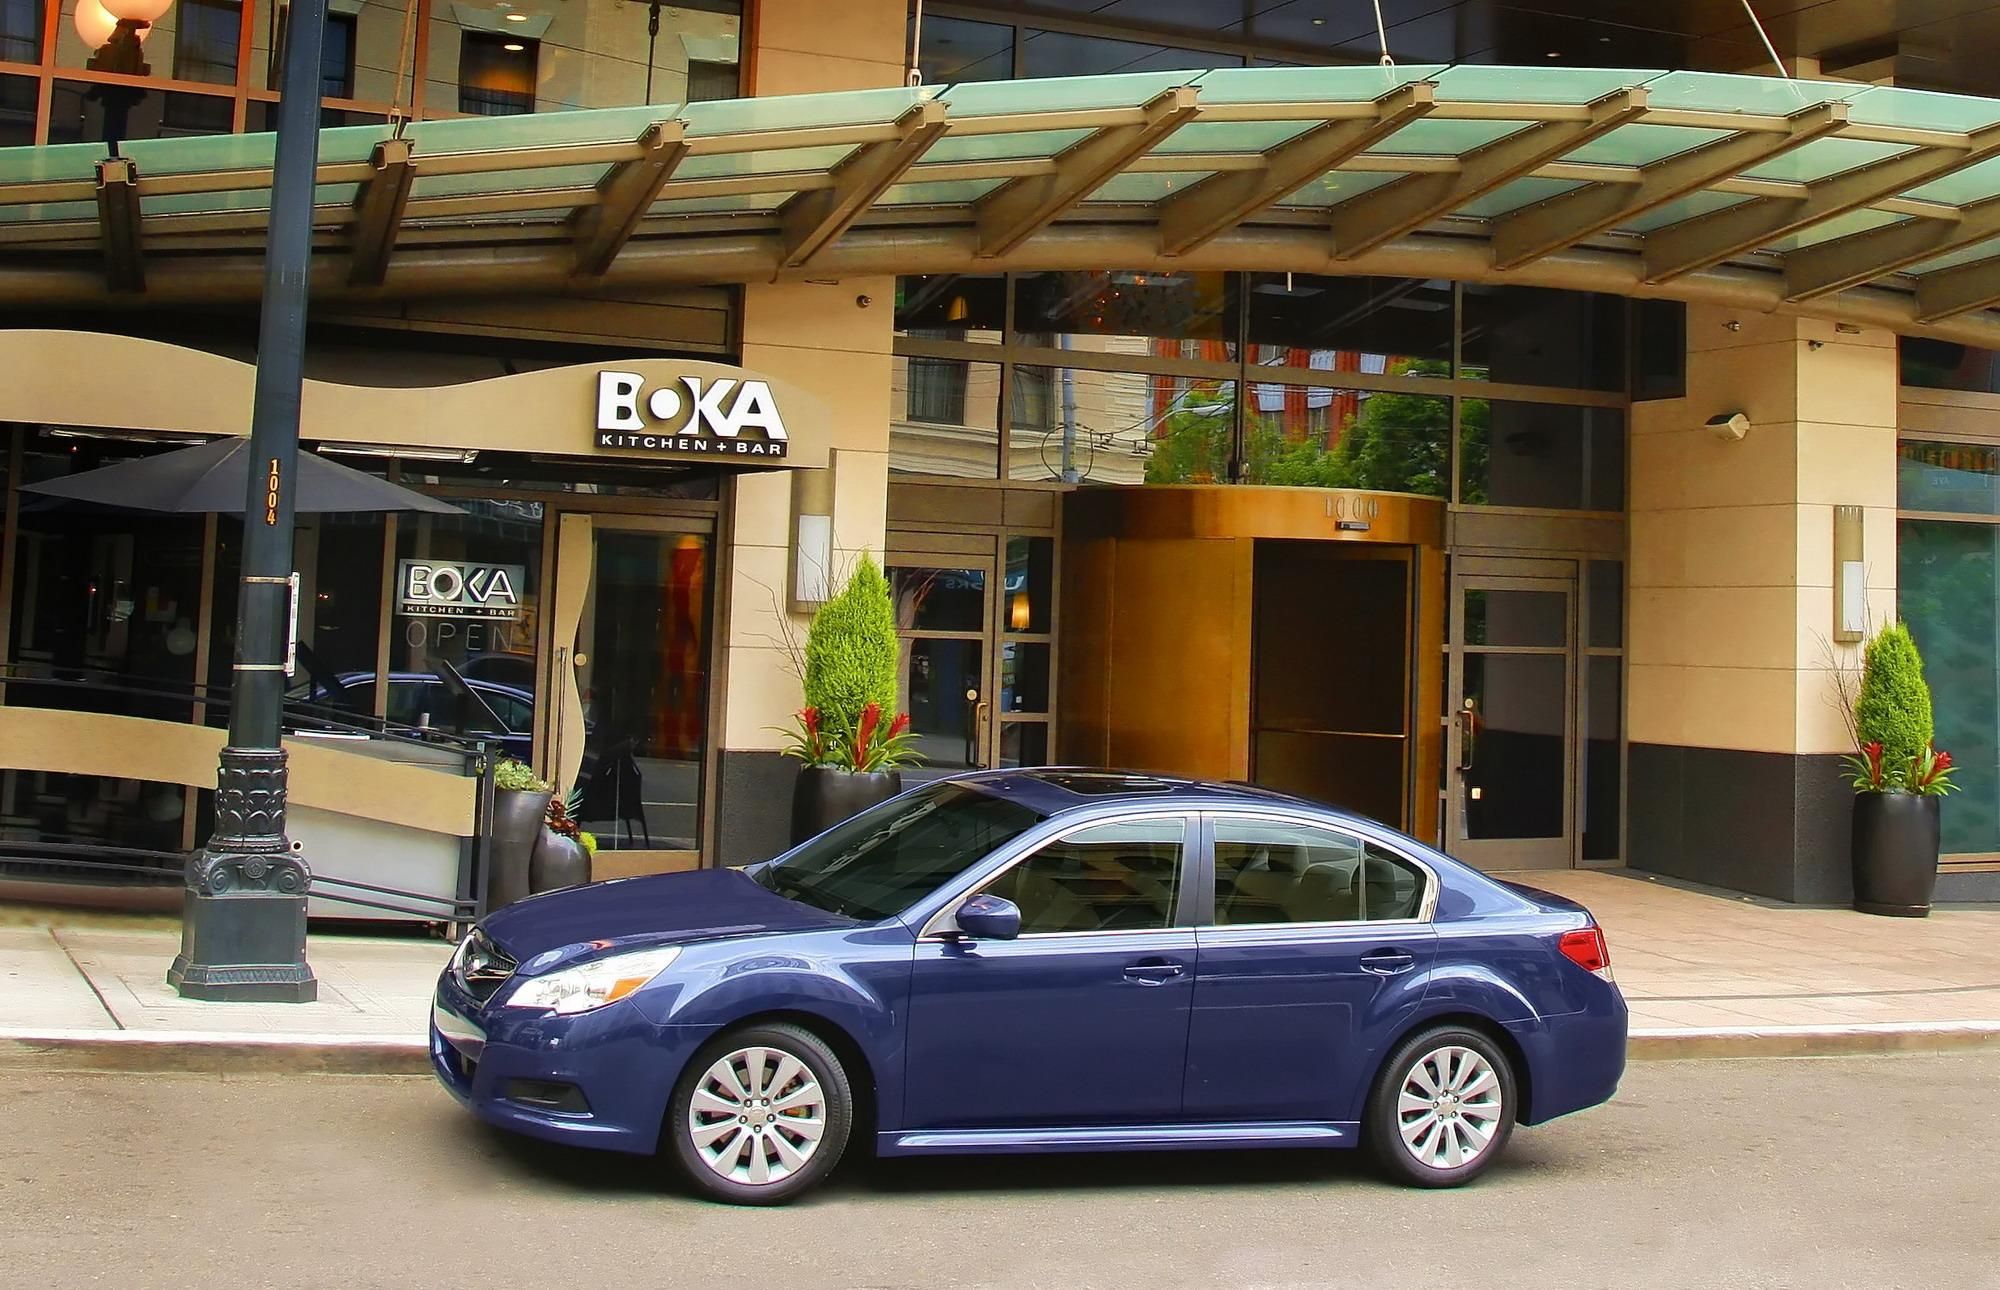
1442	1109
761	1114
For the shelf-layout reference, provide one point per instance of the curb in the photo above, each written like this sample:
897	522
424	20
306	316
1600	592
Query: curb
225	1053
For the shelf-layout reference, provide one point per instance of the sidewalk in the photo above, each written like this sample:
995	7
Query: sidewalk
1705	974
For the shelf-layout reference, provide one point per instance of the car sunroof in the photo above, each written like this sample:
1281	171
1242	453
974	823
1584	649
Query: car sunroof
1104	783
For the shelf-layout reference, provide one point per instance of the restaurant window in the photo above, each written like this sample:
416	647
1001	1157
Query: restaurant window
1376	326
946	418
496	74
207	34
21	31
1948	365
1948	593
1162	315
1319	437
952	306
1540	456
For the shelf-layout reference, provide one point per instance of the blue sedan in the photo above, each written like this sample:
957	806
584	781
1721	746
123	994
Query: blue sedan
1040	961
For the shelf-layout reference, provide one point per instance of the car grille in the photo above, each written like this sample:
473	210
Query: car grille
482	966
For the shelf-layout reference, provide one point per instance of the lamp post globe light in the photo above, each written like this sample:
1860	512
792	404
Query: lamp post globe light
114	30
243	921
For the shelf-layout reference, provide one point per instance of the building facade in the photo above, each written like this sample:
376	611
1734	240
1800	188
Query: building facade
1220	402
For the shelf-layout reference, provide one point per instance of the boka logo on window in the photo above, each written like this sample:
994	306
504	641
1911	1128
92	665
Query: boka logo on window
454	589
721	416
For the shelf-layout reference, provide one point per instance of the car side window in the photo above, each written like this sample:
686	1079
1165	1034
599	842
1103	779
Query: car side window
1114	877
1274	871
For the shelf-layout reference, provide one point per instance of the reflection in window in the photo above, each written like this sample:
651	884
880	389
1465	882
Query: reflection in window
952	306
1948	591
17	111
1059	53
76	115
1380	326
496	74
1948	365
1123	428
954	50
1118	312
1541	456
21	31
1109	877
336	57
1532	336
1304	436
1960	478
946	418
206	35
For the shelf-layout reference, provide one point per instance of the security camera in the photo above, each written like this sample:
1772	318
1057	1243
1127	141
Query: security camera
1729	425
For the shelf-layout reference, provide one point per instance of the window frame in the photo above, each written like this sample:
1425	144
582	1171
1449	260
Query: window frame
942	926
1205	875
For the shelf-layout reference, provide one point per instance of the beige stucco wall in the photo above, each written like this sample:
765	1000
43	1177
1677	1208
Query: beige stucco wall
822	338
1731	573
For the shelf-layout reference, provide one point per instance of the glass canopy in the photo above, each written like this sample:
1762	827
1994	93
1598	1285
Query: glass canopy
1841	198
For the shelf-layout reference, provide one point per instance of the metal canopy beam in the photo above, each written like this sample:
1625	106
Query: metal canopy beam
1710	239
1194	215
118	224
1567	219
1850	261
624	194
1363	223
378	212
1011	215
813	219
1958	290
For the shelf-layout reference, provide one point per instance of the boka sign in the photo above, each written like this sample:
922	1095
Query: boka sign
456	589
719	416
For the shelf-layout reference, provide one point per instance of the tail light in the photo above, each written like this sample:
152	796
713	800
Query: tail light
1586	948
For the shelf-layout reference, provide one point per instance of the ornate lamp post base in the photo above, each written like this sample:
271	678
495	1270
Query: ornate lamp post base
243	913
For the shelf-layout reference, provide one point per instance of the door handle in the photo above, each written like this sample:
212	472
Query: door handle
1387	962
1154	971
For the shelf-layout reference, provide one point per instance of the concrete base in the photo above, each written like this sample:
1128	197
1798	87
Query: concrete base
1771	824
243	947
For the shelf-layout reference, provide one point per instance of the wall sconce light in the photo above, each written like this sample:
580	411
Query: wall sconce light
1729	425
811	583
1020	615
1850	576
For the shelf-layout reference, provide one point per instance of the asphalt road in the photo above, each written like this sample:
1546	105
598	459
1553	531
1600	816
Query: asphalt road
1875	1172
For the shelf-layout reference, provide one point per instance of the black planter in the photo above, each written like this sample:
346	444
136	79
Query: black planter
826	795
519	821
558	862
1895	853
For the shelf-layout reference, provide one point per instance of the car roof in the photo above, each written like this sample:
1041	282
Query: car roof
1059	790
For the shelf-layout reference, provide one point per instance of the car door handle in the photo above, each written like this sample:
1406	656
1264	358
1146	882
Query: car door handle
1387	962
1154	971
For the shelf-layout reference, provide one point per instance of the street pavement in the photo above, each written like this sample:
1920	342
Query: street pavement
1855	1171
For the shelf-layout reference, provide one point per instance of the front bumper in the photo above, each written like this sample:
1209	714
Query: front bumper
509	1066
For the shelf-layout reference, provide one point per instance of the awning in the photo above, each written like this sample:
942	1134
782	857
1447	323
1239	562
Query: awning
214	478
1856	202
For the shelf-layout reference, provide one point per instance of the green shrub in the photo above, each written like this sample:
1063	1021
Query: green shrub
1894	708
850	654
511	776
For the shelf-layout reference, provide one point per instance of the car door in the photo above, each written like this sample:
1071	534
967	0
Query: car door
1082	1020
1313	942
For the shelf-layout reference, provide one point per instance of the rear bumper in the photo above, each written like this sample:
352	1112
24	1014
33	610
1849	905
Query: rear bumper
599	1079
1575	1061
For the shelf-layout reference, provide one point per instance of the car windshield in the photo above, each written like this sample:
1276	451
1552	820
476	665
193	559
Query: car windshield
886	859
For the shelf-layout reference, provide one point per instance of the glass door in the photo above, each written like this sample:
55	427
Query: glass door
628	727
1511	737
944	625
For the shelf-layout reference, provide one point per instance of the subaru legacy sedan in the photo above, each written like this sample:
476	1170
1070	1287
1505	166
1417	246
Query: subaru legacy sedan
1039	961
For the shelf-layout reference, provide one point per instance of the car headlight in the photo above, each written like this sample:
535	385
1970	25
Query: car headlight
594	984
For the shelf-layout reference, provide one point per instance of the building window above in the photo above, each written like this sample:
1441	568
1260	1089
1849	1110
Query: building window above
21	31
207	36
496	74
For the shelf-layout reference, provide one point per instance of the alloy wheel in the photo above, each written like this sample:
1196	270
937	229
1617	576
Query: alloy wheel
757	1116
1449	1107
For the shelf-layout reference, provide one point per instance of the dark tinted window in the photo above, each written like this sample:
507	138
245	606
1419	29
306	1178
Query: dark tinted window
1271	871
1530	336
1106	878
886	859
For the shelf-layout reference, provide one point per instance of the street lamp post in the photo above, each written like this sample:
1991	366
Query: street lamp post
114	30
243	926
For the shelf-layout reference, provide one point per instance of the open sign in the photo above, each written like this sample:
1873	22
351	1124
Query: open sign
455	589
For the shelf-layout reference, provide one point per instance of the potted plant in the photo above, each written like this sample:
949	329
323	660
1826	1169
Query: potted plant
562	858
850	745
1898	775
520	805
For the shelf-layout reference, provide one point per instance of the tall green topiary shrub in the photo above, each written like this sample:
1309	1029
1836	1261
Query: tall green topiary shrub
1894	707
850	653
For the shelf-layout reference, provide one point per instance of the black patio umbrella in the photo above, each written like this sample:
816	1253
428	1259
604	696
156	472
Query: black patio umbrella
212	477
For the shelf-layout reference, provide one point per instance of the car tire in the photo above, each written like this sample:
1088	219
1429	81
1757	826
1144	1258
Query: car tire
1442	1109
760	1115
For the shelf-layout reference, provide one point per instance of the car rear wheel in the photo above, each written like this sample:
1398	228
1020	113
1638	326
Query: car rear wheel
1443	1108
761	1114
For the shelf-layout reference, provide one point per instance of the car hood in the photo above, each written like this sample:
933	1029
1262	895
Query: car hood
546	931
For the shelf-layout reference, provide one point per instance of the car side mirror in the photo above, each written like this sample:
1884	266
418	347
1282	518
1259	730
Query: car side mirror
990	918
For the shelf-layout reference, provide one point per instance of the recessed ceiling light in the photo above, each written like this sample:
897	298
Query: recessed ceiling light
517	17
513	46
1555	53
1319	22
